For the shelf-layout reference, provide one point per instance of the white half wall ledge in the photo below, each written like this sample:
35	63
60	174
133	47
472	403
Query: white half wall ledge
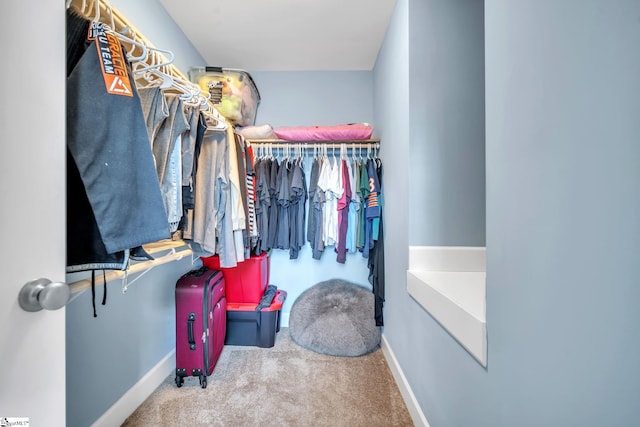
449	282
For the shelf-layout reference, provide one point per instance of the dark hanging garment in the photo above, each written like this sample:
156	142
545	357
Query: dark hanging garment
188	189
262	204
283	203
313	187
274	207
251	180
372	209
242	174
264	199
303	196
113	195
316	208
376	275
376	259
298	197
343	213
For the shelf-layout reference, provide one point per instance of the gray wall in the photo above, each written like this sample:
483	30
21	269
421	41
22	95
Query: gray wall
151	19
133	332
402	316
563	211
307	98
563	219
447	123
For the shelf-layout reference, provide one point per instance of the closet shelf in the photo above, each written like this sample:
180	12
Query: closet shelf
163	251
328	141
358	143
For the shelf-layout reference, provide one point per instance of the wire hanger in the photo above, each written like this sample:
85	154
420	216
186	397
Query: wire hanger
96	5
134	43
211	113
157	61
154	76
110	27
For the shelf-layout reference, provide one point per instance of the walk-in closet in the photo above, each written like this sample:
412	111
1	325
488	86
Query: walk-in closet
506	134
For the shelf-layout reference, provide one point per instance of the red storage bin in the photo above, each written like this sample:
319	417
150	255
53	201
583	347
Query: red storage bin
245	283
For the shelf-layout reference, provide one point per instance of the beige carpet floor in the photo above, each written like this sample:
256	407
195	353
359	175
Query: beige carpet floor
285	385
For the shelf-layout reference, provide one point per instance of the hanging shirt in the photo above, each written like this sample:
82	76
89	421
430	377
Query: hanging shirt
372	209
237	206
212	223
354	208
364	193
188	146
274	210
174	124
251	196
154	108
263	167
376	261
172	187
188	195
113	197
283	202
343	212
330	183
297	208
313	186
316	209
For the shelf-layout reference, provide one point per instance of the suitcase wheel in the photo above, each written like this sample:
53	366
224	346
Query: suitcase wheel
179	381
203	381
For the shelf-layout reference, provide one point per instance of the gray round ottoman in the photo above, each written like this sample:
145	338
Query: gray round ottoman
335	317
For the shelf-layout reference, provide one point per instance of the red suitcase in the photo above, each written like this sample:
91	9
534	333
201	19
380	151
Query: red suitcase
201	323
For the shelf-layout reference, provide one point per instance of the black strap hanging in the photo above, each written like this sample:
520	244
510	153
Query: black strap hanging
93	292
104	295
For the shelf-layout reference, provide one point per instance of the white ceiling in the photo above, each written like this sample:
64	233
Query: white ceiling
285	35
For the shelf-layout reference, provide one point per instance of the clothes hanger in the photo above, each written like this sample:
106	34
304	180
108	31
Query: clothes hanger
96	5
211	113
208	108
144	49
120	35
158	60
152	76
190	91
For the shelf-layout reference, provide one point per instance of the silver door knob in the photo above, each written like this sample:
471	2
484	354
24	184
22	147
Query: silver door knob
43	293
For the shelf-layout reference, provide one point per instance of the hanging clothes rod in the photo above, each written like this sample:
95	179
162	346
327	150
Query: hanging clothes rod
175	251
110	16
310	145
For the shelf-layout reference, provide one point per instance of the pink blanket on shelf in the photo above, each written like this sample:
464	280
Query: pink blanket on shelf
325	133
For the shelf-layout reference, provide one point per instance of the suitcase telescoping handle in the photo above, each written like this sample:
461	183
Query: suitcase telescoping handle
192	340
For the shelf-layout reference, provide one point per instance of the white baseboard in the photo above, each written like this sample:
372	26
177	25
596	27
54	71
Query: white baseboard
419	420
129	402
